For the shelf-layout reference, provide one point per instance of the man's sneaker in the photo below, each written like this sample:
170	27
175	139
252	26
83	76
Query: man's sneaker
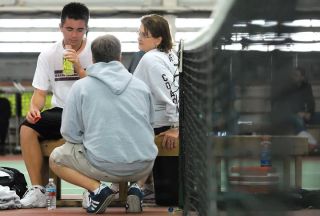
134	199
34	198
85	199
99	202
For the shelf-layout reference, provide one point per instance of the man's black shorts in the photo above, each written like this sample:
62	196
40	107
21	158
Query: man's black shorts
49	125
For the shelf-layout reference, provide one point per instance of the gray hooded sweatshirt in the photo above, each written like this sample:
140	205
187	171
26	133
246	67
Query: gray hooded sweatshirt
110	112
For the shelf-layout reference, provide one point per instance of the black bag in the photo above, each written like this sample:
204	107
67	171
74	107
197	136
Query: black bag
311	198
16	180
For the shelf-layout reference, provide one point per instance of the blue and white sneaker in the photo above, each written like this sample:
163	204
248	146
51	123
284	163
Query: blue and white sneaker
134	199
99	202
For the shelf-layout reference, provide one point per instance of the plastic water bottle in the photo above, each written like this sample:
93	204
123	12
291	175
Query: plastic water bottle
51	192
170	211
265	151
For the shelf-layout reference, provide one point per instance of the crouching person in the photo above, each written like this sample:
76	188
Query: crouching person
106	123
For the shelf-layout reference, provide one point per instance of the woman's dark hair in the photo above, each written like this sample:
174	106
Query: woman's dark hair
75	10
158	27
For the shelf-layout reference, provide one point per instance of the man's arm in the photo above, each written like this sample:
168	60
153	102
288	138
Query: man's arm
309	103
310	99
72	56
80	71
36	105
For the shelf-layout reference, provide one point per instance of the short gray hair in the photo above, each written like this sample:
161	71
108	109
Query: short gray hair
106	48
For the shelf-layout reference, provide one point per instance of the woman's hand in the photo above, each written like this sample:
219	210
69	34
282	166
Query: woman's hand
170	138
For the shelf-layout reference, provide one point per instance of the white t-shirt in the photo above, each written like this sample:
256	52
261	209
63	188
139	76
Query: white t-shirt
49	77
157	69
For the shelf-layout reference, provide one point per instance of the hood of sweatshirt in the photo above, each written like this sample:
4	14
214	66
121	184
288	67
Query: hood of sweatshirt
113	74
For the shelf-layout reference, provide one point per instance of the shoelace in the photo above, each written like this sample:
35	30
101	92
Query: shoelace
89	204
31	191
27	194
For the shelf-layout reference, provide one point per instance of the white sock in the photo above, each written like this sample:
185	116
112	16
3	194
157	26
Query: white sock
135	185
38	186
42	189
101	186
115	187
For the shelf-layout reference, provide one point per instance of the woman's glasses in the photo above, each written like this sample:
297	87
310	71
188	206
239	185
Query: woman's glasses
143	34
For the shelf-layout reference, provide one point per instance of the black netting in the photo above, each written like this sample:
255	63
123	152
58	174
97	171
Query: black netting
237	85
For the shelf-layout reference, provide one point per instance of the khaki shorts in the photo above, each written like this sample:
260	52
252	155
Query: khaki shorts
72	156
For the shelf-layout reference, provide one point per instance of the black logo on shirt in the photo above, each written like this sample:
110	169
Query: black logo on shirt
59	76
173	95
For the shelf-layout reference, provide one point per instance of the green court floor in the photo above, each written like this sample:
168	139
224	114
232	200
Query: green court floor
310	174
67	188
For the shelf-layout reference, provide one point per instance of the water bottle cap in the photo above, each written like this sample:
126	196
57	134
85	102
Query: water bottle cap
170	209
50	179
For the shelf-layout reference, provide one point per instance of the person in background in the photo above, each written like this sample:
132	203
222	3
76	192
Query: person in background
49	76
5	110
294	106
158	69
109	137
225	118
135	60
